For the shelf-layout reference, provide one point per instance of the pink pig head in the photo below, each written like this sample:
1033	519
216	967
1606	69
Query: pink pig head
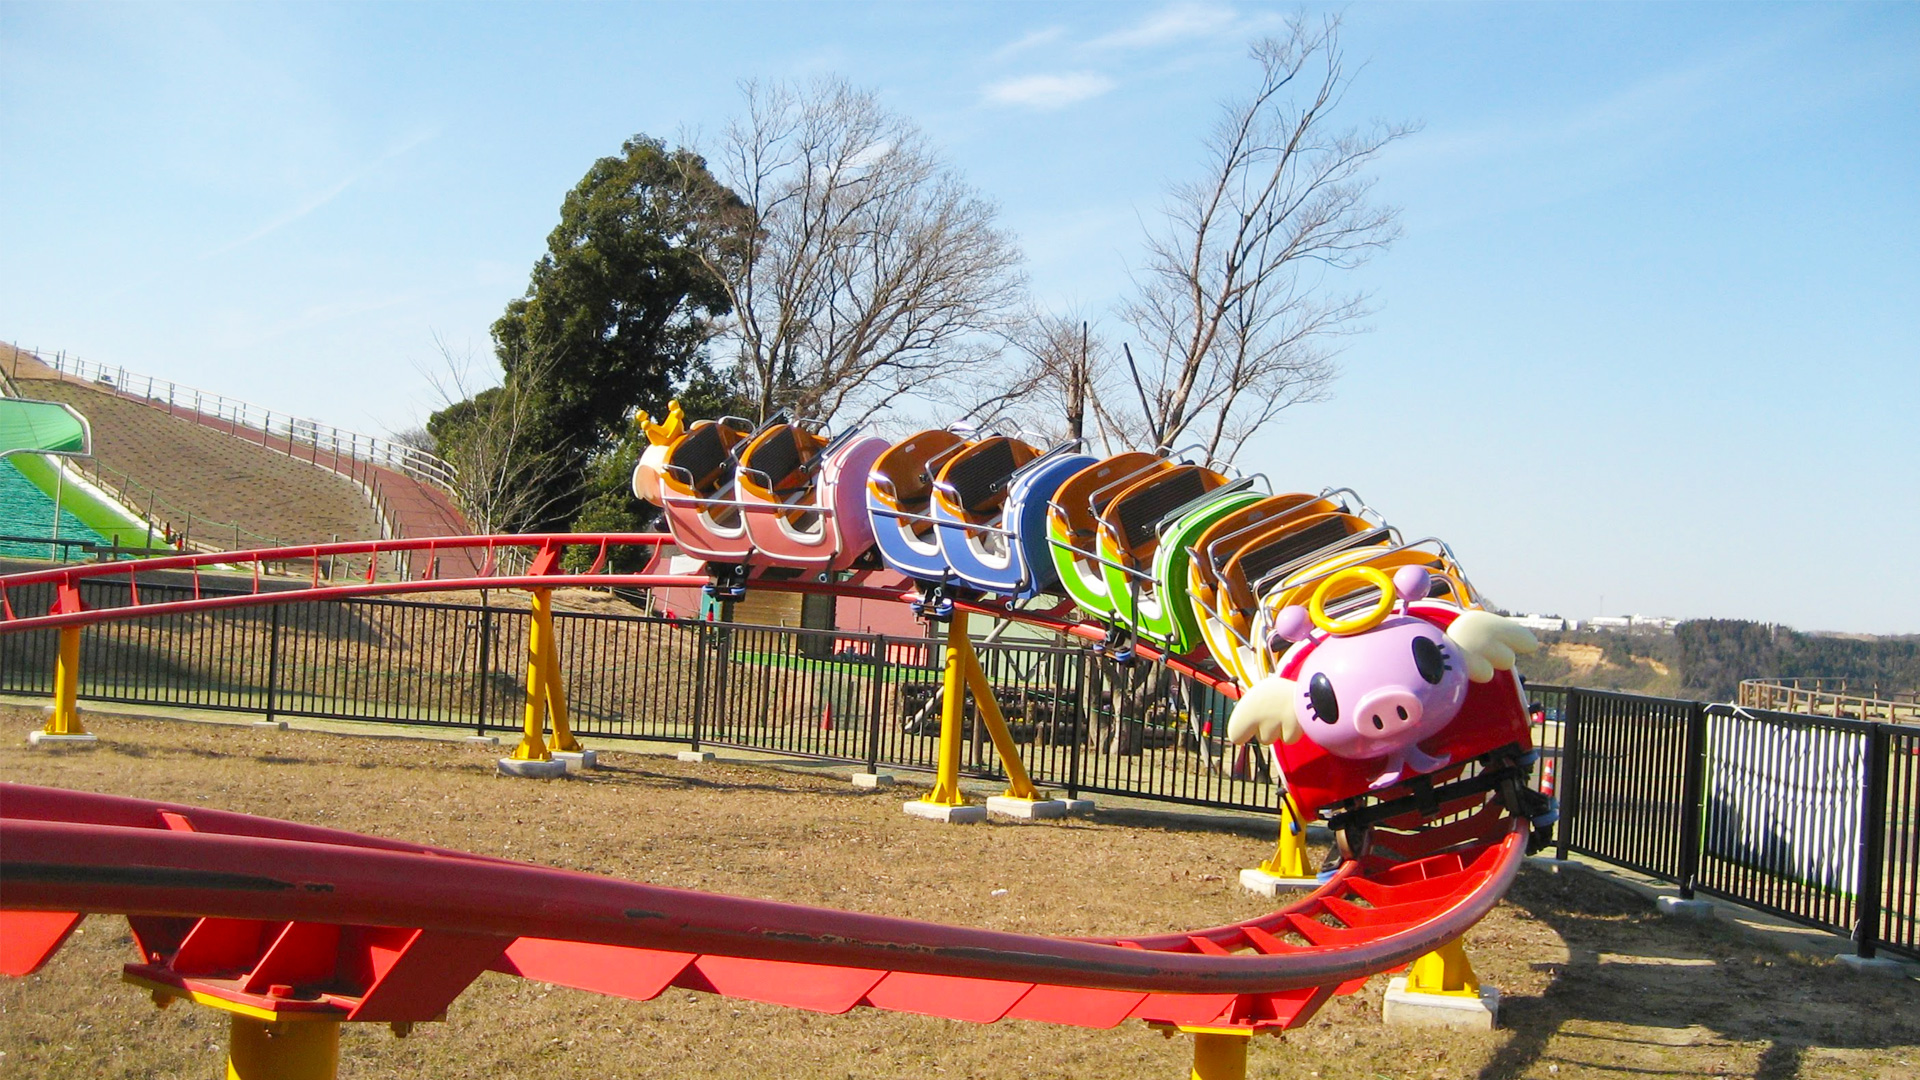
1376	693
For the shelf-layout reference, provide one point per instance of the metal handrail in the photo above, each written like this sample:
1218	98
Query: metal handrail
323	438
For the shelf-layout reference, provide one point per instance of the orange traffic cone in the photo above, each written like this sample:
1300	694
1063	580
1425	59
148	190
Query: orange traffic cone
826	719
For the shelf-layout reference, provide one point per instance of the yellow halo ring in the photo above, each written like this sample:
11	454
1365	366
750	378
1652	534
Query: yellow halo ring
1367	620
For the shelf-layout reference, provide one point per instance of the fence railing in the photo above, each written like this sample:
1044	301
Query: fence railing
1815	819
322	444
1084	724
1829	697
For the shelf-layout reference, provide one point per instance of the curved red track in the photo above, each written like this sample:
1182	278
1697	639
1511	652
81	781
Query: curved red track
288	917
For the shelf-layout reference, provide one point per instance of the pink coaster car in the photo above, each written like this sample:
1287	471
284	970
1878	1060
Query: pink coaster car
697	490
804	496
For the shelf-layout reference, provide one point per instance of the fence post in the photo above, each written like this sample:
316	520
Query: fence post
1080	724
485	664
700	667
1692	781
876	687
1569	771
1873	842
273	662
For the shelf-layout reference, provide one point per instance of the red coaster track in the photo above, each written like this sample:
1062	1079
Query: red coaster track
288	919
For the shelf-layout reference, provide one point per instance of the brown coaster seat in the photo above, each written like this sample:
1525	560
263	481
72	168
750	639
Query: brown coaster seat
974	481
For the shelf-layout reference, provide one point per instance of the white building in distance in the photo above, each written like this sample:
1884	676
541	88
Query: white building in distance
1657	624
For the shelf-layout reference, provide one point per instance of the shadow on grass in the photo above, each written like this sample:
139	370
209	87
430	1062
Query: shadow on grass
1706	985
636	776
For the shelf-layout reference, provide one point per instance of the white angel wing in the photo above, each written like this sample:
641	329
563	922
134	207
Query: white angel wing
1489	642
1266	710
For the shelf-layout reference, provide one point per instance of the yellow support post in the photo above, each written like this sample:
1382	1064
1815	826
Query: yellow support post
556	690
1290	856
282	1050
1019	786
1445	970
64	718
953	703
1218	1055
541	670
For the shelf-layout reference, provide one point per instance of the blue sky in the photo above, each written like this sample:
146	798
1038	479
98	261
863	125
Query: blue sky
1650	342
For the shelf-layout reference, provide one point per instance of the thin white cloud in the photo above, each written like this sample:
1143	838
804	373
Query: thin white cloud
323	198
1049	91
1179	22
1029	41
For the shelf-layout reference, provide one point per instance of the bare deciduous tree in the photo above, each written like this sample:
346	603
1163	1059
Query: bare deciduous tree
1062	387
511	471
869	270
1231	305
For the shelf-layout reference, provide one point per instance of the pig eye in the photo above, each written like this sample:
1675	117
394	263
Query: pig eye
1326	707
1428	659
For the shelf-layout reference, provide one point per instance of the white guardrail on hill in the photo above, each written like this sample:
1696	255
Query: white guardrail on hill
322	438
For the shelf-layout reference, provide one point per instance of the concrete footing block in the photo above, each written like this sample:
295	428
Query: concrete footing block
41	738
694	756
577	760
1879	965
1552	865
1078	807
272	725
1698	910
532	770
952	815
1255	880
1404	1008
873	780
482	740
1029	809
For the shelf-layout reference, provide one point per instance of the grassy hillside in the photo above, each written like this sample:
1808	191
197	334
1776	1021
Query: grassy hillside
1707	658
1608	660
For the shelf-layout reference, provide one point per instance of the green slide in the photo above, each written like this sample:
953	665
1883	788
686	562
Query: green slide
34	436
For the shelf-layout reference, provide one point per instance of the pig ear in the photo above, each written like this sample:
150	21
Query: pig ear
1412	583
1489	642
1266	711
1291	624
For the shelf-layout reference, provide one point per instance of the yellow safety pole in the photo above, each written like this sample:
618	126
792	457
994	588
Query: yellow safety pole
1290	856
556	690
1445	970
533	741
65	718
282	1050
1219	1055
1018	784
953	685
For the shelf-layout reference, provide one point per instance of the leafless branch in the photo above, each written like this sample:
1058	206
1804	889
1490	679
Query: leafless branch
870	268
511	475
1231	304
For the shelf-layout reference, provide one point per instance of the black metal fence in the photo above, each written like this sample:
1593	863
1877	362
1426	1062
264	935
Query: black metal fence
1084	724
1810	818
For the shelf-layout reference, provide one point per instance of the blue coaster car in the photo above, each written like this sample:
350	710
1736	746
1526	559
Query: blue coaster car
991	504
899	501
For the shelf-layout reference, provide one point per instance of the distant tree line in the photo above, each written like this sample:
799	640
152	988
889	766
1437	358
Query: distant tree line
1715	654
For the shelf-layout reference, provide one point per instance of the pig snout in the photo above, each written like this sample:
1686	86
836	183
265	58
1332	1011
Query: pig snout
1390	712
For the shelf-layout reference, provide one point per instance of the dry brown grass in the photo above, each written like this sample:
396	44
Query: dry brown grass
1596	984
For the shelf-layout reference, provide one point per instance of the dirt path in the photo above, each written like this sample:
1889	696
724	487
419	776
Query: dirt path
1596	984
